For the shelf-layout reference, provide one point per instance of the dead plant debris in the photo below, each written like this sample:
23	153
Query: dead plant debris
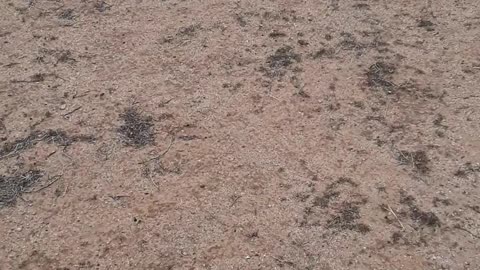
347	218
280	60
137	130
419	217
467	170
58	137
12	187
379	75
418	159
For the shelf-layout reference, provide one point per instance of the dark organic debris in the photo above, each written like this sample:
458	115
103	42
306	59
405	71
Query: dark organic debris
58	137
65	57
188	137
428	25
241	20
11	187
475	208
349	42
38	77
35	78
342	181
347	219
325	199
423	218
323	53
67	14
361	6
331	192
102	6
379	75
418	159
418	216
302	42
467	169
137	129
277	34
189	30
281	59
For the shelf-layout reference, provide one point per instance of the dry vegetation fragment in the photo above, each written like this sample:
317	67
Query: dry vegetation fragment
136	130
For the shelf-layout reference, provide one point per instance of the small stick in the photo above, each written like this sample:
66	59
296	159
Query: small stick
46	186
396	217
153	182
465	230
70	112
161	155
117	197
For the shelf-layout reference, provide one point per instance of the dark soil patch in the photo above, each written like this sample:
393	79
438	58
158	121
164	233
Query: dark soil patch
418	159
11	187
137	130
58	137
379	75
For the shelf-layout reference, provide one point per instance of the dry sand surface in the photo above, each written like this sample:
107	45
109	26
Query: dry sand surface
208	134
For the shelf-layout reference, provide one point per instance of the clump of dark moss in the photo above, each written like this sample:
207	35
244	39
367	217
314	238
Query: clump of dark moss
11	187
379	75
137	130
418	159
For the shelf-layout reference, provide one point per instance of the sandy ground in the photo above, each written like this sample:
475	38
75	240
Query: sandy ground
287	134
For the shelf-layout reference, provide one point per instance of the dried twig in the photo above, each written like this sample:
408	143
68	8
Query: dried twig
395	215
55	179
465	230
70	112
161	155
